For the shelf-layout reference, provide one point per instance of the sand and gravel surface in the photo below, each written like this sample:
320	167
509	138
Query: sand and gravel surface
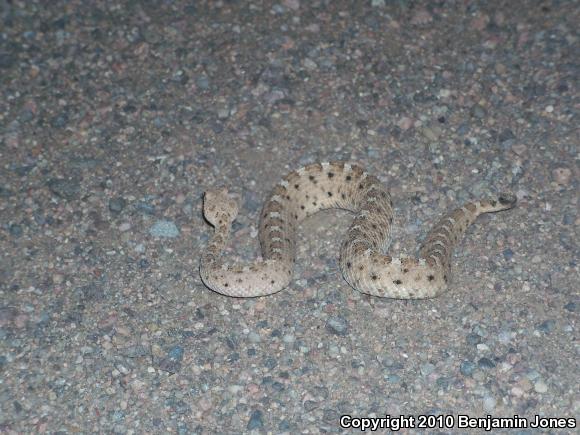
116	116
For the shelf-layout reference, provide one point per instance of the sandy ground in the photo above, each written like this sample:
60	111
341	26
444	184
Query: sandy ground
114	119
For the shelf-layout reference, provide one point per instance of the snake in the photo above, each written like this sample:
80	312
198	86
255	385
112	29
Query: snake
364	260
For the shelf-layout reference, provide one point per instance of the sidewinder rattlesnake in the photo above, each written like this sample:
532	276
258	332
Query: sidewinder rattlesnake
363	261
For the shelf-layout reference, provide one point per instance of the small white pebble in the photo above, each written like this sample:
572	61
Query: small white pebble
540	387
234	389
489	403
444	93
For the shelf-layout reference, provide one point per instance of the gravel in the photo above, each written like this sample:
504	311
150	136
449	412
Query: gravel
114	121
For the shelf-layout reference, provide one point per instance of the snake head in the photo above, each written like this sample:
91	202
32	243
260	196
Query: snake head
507	199
218	207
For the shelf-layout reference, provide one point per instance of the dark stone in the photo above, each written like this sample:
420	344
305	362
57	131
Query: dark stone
67	189
144	264
571	306
7	60
60	120
90	292
15	230
130	108
176	353
255	421
136	351
181	407
5	193
547	326
506	135
169	365
473	339
116	205
485	363
467	368
145	207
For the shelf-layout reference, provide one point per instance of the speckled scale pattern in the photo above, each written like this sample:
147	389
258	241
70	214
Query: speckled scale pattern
363	259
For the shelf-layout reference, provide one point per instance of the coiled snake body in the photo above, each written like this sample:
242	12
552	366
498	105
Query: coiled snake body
363	261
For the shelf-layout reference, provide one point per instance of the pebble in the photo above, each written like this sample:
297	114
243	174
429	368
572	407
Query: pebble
405	123
310	64
478	111
489	403
568	219
392	378
445	93
292	4
67	189
520	149
134	351
467	368
337	325
507	138
547	326
5	192
508	254
255	421
176	353
485	363
202	82
421	17
170	365
145	207
116	205
164	228
562	176
505	337
254	337
427	369
540	387
473	339
7	60
571	306
59	121
15	230
430	133
223	113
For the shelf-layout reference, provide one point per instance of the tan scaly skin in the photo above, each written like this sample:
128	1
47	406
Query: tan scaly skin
363	261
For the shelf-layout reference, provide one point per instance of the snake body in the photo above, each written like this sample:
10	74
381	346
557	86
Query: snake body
363	261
